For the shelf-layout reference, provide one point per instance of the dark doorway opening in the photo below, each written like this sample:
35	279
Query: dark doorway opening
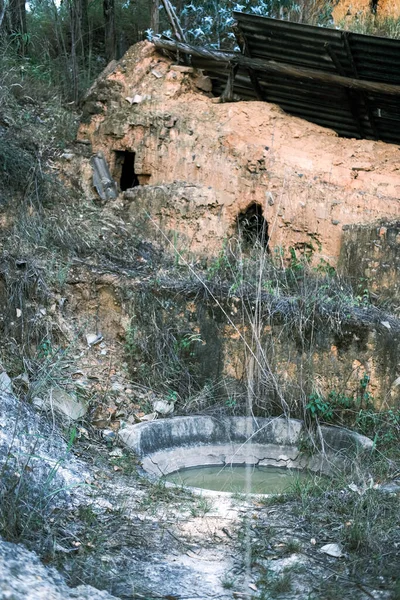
253	228
125	169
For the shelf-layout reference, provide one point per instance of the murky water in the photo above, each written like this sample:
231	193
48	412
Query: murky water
239	479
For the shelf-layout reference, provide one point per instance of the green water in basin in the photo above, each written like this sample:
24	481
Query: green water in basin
239	479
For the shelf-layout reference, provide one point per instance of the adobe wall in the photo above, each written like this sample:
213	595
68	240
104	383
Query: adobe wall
371	257
201	163
359	9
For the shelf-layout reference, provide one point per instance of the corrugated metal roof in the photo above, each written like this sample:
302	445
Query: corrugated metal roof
352	113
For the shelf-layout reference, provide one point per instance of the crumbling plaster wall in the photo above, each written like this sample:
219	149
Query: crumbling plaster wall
204	162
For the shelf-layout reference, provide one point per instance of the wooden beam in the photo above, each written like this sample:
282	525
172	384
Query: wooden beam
351	96
271	66
244	48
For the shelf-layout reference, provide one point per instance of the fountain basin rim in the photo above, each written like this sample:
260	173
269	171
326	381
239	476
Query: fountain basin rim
168	445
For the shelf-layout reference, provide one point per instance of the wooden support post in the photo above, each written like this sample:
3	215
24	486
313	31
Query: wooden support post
345	38
352	98
244	48
228	93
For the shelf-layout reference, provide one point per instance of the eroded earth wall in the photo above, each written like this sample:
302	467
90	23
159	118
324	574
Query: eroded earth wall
346	10
197	164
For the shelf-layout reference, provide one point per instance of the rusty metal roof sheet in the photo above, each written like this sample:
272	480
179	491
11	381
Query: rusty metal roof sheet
350	112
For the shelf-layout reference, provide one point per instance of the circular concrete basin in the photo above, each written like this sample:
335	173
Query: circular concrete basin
168	445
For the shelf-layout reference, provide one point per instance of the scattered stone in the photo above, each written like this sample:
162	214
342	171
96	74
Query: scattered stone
163	408
270	197
39	403
117	452
182	69
5	384
149	417
386	324
109	435
93	339
66	404
117	387
156	74
203	83
19	313
334	550
67	156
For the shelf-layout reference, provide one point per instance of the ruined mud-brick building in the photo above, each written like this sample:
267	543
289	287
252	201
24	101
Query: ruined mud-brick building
307	144
191	165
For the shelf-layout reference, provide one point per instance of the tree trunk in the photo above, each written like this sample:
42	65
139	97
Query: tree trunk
75	39
17	16
84	26
109	30
155	17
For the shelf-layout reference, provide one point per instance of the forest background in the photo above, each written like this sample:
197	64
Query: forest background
65	44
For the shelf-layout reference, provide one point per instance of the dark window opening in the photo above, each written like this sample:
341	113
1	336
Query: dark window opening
125	169
253	228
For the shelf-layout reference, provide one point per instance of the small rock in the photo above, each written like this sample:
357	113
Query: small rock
5	383
163	408
203	83
93	339
38	402
156	74
117	387
67	156
386	324
19	313
67	404
335	550
117	452
109	435
149	417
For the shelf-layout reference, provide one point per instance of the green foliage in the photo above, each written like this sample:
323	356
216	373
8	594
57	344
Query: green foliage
45	349
341	407
319	408
381	426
